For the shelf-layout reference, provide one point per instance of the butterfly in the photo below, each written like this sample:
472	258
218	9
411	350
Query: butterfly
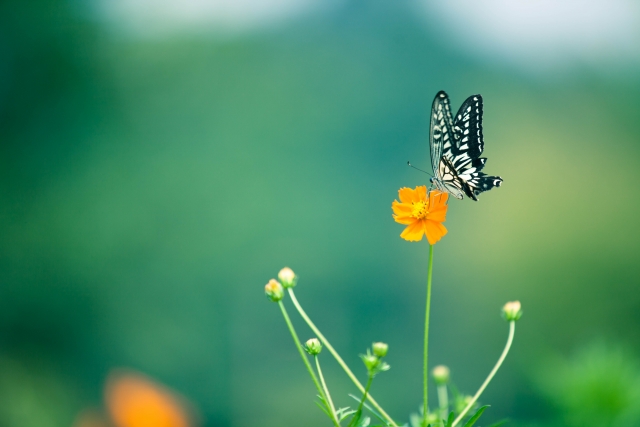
456	146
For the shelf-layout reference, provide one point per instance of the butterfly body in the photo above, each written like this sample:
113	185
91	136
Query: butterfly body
456	146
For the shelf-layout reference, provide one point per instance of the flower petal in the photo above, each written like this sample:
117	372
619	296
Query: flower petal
402	212
434	231
401	208
406	194
437	199
439	214
413	232
404	219
420	194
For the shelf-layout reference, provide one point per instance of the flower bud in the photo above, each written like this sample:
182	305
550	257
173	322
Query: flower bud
287	277
370	361
461	402
432	419
441	374
512	311
313	346
380	349
273	290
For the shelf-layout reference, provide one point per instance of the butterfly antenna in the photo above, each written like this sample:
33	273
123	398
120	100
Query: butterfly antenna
410	165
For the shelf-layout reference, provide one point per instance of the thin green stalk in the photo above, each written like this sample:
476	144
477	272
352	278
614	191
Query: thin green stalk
304	358
512	329
326	390
357	415
443	401
425	371
338	358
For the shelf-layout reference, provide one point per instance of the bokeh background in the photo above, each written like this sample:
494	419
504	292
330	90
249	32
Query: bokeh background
161	160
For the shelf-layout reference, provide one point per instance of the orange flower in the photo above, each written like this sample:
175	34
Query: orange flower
421	214
135	401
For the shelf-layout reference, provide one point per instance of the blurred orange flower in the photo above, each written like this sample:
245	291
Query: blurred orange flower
135	401
421	213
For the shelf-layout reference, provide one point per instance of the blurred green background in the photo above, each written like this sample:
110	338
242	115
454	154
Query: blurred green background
159	167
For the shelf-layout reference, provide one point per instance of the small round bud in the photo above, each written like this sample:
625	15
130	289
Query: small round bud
380	349
462	401
441	374
287	277
370	361
313	346
512	311
432	418
273	290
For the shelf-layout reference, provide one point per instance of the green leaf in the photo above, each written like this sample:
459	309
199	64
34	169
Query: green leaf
499	423
475	417
346	414
449	421
343	413
364	422
321	406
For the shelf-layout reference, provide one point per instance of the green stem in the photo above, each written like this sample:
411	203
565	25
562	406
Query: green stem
326	391
425	371
356	416
304	357
512	329
443	400
338	358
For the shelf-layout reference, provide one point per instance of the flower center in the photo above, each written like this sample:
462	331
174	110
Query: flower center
420	210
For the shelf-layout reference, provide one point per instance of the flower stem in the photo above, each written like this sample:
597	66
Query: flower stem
338	358
305	360
425	371
443	401
512	329
358	414
326	391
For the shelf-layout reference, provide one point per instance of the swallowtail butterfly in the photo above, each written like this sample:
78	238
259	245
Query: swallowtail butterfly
456	146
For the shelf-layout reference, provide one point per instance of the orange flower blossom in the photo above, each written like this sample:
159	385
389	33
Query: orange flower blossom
422	213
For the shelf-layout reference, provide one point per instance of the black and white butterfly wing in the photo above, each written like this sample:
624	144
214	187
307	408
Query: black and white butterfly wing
456	146
468	147
441	140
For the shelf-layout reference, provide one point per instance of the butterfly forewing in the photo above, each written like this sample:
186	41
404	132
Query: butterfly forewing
467	128
441	136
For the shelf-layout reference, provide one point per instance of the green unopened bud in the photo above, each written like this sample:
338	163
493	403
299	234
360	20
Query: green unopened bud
512	311
432	418
371	361
380	349
288	277
441	374
461	402
273	290
313	346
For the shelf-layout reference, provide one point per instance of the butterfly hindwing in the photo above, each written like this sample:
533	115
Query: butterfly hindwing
481	182
448	180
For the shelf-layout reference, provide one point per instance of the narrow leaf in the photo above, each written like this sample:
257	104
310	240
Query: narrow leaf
449	421
321	406
346	414
475	417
